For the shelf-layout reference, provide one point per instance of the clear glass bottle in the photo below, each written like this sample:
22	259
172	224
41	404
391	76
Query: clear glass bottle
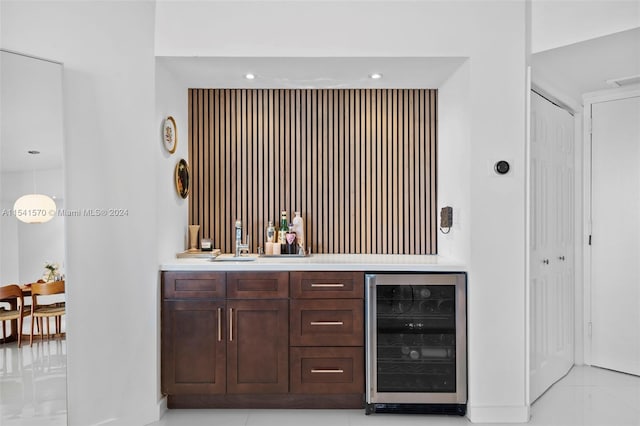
271	232
298	228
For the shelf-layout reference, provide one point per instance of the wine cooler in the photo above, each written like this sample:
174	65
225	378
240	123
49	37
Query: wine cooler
416	343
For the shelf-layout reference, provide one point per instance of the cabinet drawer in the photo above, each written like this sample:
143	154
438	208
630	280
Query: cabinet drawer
327	370
252	285
193	285
327	322
327	285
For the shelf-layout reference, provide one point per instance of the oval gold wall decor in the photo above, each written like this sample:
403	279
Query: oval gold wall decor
182	178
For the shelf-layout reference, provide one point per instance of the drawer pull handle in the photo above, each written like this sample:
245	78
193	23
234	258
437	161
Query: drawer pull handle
219	324
326	323
231	324
326	285
338	371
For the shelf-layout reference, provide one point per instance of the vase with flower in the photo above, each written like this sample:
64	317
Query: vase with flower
51	271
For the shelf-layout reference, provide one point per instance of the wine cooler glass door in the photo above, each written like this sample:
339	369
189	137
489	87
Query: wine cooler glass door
416	339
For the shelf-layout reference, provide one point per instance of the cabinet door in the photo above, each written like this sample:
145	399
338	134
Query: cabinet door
258	346
193	347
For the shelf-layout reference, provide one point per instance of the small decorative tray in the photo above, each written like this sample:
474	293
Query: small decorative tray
198	254
284	255
306	253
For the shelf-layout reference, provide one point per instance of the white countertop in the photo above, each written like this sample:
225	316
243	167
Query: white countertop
323	262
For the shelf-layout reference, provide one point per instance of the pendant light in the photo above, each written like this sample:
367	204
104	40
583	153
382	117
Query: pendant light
34	208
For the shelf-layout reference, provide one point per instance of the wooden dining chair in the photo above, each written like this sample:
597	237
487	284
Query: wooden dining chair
13	295
40	310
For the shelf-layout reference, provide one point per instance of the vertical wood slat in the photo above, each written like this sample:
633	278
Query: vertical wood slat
352	181
422	190
341	172
215	227
359	164
433	146
206	163
190	111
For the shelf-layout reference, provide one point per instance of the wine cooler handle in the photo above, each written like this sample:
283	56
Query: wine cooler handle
370	336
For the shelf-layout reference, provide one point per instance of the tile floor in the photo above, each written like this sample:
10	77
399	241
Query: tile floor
33	383
32	392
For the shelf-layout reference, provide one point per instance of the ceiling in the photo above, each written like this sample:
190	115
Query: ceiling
34	122
585	67
313	73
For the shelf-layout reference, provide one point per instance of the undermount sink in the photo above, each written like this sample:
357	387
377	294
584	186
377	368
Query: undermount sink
232	257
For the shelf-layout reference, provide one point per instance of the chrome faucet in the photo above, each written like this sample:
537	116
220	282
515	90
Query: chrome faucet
239	246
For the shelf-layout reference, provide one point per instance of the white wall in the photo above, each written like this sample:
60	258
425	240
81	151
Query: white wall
493	35
455	162
111	135
171	100
173	211
3	251
559	23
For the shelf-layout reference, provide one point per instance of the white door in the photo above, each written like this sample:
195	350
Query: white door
551	244
615	249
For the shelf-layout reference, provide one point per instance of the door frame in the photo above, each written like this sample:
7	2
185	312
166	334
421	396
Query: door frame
588	100
547	90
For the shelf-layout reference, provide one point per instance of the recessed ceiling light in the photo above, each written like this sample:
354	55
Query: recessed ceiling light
33	151
375	76
249	76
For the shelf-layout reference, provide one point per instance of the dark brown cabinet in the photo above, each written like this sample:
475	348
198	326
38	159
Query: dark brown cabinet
224	334
235	339
327	322
327	334
193	349
257	347
328	370
193	353
327	285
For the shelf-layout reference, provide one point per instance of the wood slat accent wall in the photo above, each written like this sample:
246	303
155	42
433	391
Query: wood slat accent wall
359	164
